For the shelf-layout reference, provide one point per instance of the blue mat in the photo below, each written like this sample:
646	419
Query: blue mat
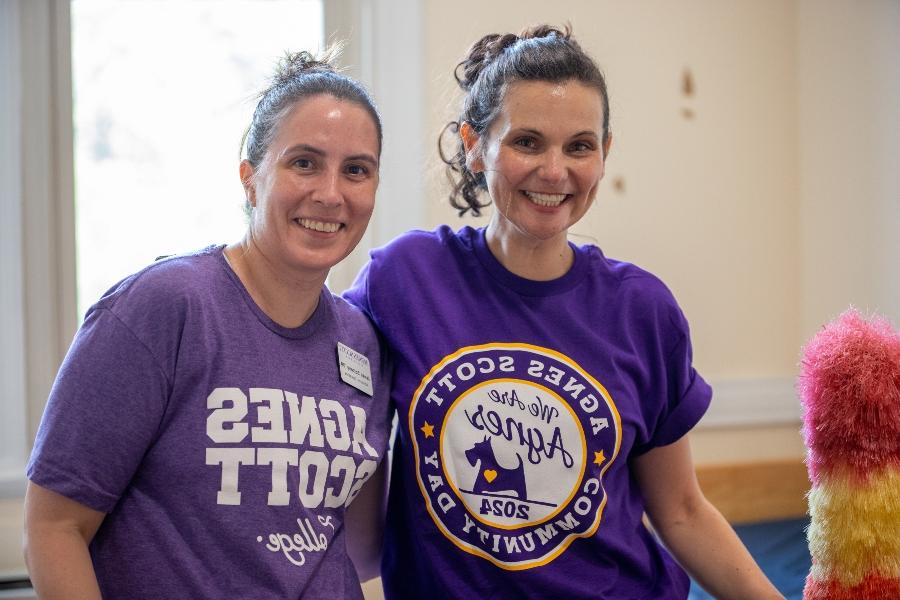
780	549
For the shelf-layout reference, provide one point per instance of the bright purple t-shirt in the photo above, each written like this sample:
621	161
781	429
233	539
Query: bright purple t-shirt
521	404
222	446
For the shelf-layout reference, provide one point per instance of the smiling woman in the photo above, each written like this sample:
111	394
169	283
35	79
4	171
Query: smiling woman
148	428
310	196
598	389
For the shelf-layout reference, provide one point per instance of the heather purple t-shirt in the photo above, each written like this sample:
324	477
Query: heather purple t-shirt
223	446
521	404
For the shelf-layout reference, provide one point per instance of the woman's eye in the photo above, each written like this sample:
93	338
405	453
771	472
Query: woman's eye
303	163
357	170
526	142
581	147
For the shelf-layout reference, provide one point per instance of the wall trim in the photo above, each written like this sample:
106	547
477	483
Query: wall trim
752	402
756	491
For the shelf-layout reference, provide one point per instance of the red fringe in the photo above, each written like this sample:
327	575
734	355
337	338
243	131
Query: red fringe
872	587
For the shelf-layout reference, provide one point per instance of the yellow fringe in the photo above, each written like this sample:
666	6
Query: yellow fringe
855	527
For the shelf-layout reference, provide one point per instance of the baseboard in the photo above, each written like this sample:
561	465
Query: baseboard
758	491
750	402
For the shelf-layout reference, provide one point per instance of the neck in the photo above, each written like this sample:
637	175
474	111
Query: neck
527	256
288	298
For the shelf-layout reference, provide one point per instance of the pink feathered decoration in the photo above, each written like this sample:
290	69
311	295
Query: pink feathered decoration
850	390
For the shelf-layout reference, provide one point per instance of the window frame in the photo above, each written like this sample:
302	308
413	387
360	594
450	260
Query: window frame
38	253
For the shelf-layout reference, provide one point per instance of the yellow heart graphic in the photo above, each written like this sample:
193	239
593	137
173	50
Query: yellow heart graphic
490	475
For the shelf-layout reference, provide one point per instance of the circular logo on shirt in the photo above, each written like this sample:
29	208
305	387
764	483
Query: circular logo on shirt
511	444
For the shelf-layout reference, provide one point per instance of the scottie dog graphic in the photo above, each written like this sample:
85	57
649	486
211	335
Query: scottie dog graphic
492	476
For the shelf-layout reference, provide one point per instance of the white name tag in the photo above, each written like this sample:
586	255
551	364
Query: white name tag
355	369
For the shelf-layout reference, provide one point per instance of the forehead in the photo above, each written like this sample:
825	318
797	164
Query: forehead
553	106
330	122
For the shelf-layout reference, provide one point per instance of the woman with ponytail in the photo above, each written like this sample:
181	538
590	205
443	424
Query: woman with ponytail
544	390
219	411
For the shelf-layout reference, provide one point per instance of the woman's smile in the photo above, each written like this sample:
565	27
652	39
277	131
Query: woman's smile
318	226
545	199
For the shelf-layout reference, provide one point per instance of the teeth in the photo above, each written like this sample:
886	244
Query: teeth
546	199
319	225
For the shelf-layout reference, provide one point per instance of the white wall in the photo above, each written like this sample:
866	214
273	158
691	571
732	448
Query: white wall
710	202
849	95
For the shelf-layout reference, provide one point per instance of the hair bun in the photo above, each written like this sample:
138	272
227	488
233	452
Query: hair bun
487	49
545	31
481	54
293	64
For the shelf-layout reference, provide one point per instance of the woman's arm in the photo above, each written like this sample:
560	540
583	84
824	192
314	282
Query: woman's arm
693	530
364	520
57	533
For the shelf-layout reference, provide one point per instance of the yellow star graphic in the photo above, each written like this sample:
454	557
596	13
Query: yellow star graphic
428	429
599	458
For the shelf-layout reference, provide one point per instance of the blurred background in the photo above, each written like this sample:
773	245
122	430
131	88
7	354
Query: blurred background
754	168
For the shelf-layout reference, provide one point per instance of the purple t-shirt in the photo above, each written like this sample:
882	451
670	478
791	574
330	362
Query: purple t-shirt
521	404
223	446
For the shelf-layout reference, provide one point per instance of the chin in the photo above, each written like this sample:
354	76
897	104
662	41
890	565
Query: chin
544	233
314	264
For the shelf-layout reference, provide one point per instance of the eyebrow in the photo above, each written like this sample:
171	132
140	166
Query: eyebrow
364	158
541	134
319	152
302	148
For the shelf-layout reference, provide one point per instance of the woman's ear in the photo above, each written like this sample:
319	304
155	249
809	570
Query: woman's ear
470	139
246	172
608	145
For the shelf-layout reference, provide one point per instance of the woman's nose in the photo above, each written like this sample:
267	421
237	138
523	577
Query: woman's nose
328	192
552	168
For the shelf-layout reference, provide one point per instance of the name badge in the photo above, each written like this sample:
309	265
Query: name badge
355	369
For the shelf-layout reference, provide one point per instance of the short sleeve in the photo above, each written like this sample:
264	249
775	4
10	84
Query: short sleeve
688	397
104	411
683	393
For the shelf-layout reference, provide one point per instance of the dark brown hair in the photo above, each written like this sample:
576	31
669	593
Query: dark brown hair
540	53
